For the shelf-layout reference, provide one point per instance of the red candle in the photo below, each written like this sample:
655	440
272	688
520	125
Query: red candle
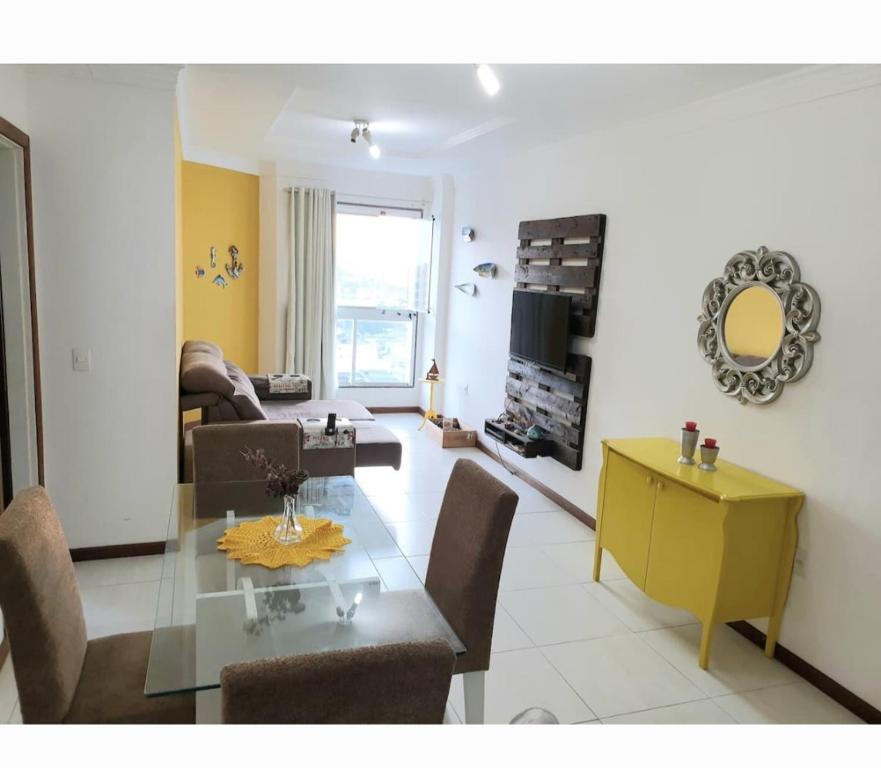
690	426
710	442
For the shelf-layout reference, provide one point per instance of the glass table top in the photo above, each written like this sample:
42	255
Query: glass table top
213	611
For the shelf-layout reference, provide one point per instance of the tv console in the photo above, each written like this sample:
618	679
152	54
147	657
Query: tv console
516	439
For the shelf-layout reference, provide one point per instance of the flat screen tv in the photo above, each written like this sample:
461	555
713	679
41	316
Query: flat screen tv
540	327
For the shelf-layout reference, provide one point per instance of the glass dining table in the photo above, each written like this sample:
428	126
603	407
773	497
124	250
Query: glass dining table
213	611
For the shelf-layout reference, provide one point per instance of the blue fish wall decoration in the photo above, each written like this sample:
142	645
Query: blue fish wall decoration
487	269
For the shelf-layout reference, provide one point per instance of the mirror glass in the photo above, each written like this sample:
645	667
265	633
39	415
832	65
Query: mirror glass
753	326
18	425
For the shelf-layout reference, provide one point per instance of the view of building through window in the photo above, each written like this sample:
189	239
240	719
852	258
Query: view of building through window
383	263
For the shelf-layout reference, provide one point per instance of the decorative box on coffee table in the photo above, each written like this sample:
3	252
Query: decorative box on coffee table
323	455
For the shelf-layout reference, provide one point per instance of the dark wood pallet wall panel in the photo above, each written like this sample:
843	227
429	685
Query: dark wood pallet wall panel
552	266
555	401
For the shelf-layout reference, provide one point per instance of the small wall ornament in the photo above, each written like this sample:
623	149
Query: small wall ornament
200	271
235	268
213	257
487	269
220	281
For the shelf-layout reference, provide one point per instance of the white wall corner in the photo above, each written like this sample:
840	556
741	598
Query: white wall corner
268	299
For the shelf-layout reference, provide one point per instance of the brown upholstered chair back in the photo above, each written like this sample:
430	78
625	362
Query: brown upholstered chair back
217	449
41	605
466	557
402	683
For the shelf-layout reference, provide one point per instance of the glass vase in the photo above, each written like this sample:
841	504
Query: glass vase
289	530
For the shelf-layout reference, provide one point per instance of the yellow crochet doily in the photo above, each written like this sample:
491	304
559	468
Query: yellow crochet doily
252	542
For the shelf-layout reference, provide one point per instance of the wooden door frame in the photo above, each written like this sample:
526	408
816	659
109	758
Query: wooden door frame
19	137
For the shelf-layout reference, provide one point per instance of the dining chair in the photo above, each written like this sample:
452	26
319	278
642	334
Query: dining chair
61	676
217	449
397	684
465	566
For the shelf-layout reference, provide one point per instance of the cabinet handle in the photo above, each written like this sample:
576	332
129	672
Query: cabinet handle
660	485
648	479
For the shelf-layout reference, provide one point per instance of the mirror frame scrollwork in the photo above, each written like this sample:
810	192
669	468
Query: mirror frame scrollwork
778	272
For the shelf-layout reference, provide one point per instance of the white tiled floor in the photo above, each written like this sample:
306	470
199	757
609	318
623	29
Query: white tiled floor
580	649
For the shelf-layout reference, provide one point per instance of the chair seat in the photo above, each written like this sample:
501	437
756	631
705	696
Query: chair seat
111	686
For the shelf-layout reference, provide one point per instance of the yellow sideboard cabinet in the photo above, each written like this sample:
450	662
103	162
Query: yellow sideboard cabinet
719	544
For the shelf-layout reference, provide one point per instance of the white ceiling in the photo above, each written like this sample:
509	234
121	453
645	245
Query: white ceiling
427	118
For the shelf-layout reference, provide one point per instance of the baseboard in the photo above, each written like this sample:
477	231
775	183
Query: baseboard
571	508
117	550
814	676
395	409
787	658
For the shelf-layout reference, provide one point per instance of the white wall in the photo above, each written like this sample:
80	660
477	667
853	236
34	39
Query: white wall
793	165
103	190
351	185
13	95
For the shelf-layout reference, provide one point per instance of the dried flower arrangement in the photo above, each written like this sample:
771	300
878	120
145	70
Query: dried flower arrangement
280	481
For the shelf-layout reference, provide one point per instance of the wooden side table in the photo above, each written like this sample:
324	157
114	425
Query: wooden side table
430	413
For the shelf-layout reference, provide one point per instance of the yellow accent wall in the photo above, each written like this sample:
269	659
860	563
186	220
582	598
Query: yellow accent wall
221	208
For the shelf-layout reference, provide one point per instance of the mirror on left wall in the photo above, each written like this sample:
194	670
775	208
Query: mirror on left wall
21	441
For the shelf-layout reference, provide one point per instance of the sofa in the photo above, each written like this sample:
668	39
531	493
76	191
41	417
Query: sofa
227	395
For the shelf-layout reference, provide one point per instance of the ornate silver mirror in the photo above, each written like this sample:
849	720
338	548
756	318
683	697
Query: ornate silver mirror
758	325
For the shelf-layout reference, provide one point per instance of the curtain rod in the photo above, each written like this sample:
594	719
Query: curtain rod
369	197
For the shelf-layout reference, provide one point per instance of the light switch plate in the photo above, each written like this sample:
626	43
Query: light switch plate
82	359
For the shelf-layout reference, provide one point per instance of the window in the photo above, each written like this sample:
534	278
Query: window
383	265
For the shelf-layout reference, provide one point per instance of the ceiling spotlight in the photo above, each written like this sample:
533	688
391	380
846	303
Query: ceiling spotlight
362	129
488	79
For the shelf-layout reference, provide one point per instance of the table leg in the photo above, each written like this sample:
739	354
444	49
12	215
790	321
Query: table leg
706	637
429	414
597	560
474	684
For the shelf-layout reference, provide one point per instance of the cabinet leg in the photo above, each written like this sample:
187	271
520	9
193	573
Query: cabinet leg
706	637
773	634
597	561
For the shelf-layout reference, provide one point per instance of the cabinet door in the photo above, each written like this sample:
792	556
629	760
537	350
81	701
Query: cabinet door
686	549
626	525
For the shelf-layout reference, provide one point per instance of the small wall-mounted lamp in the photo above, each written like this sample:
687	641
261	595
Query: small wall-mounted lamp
467	234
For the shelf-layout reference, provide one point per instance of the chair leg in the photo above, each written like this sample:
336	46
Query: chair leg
474	684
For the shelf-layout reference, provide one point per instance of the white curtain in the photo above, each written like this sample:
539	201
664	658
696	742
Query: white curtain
310	323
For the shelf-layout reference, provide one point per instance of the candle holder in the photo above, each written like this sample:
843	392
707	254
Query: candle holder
708	458
688	445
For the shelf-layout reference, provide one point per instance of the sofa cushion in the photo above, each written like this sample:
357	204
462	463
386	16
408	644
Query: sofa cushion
202	346
244	398
204	372
376	446
315	409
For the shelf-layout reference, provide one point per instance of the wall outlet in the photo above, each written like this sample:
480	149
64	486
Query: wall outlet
82	359
799	567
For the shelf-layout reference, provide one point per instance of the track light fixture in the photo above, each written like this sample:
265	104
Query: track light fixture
362	129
